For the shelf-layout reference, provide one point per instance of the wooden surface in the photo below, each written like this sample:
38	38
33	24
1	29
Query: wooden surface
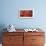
34	39
21	38
13	39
